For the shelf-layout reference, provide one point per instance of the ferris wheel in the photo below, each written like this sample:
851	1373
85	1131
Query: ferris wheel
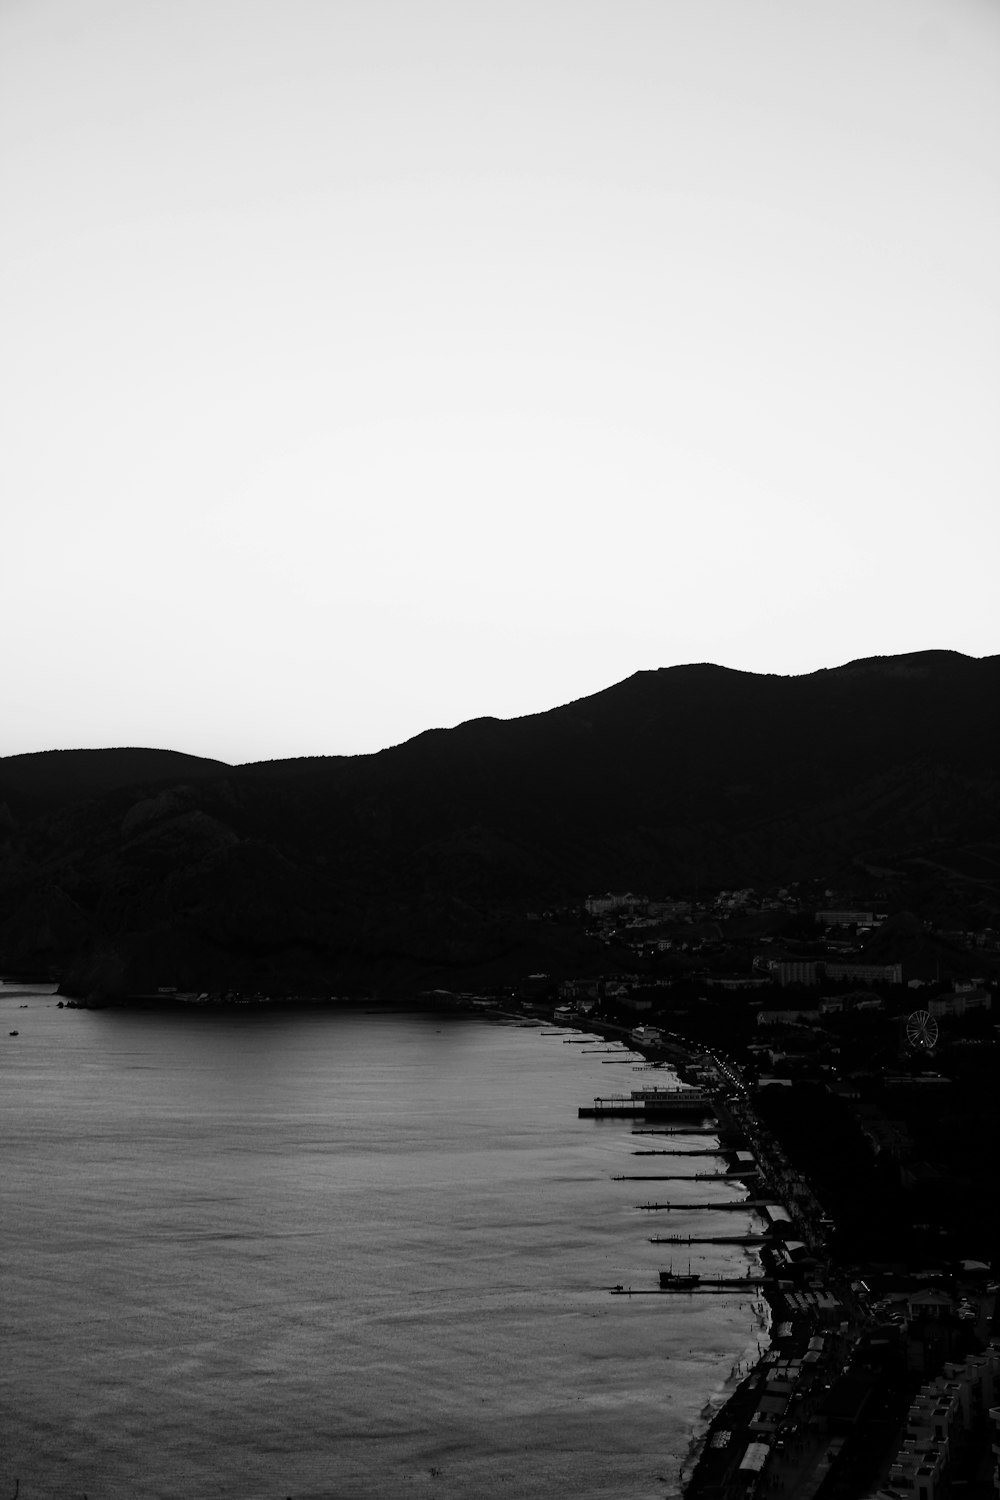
921	1031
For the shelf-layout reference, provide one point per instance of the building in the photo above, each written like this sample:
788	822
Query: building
797	972
944	1410
964	998
665	910
580	989
794	1015
600	906
866	973
646	1036
737	981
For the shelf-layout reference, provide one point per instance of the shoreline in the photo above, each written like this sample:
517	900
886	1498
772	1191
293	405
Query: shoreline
729	1419
732	1400
705	1468
725	1399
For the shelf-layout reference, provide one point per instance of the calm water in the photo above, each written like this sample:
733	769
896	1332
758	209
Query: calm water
269	1254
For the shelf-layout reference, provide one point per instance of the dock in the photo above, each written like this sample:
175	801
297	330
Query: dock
709	1239
670	1151
744	1203
706	1284
646	1103
736	1176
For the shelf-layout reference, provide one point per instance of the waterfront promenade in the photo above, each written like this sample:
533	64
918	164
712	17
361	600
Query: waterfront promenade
777	1414
773	1435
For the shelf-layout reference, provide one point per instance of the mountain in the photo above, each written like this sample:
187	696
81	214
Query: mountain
35	783
126	869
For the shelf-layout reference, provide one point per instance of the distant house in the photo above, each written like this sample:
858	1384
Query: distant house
869	973
796	972
664	910
929	1304
648	1036
599	906
580	989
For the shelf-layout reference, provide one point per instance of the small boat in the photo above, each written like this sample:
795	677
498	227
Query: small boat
677	1281
15	1033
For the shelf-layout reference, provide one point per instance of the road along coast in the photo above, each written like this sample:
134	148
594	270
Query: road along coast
771	1433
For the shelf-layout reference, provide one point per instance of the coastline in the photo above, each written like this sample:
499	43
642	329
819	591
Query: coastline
724	1405
705	1467
787	1326
729	1408
768	1429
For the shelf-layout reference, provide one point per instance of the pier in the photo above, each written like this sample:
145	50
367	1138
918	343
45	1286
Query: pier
745	1203
647	1102
737	1176
669	1151
704	1284
709	1239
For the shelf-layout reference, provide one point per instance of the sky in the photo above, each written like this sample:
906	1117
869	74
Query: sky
372	365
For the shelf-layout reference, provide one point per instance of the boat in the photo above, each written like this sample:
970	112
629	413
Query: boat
678	1281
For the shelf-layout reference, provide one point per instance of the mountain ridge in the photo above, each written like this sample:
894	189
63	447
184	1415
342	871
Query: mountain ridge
424	857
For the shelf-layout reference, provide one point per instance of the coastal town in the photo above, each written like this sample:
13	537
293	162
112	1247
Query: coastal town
876	1381
845	1059
841	1050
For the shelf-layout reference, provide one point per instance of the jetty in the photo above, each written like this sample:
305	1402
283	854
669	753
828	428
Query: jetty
672	1151
704	1284
647	1102
709	1239
737	1176
744	1203
715	1284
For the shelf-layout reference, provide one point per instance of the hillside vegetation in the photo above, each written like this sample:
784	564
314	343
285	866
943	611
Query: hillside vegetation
125	869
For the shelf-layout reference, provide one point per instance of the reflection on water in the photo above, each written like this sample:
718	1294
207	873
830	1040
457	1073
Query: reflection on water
269	1253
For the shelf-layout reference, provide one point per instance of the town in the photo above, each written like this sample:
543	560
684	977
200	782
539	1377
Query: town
850	1050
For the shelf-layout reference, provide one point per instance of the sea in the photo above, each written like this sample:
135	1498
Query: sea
268	1252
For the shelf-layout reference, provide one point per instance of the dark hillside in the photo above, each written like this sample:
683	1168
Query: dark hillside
425	857
47	777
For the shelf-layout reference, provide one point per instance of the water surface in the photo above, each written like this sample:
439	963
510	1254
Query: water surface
268	1253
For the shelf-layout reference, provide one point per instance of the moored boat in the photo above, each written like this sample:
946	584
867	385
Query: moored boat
673	1281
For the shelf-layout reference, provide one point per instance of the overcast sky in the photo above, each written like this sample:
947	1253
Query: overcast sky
370	366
